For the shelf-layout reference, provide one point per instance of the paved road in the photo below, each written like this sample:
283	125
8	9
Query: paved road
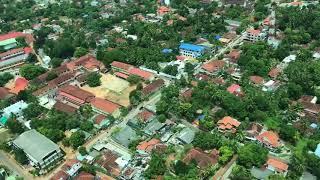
14	167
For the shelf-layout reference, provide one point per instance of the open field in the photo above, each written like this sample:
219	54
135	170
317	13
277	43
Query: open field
112	88
5	135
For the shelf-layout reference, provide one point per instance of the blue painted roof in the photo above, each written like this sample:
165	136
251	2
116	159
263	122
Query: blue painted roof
191	47
166	51
317	152
217	37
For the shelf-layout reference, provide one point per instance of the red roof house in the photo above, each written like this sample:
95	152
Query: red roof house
269	139
203	159
213	67
87	62
257	80
234	89
277	165
149	146
275	72
145	115
20	84
120	66
74	96
105	107
141	73
228	124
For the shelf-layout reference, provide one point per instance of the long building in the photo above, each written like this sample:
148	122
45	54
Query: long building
14	57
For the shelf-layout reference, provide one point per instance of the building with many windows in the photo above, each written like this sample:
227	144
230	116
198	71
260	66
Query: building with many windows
191	50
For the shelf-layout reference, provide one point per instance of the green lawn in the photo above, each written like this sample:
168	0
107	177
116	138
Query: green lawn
4	135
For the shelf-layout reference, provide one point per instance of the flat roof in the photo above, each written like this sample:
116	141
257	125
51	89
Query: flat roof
35	144
191	47
7	41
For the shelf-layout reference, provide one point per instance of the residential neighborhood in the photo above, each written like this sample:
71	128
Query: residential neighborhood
164	89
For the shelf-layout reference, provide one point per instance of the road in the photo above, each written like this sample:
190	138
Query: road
14	167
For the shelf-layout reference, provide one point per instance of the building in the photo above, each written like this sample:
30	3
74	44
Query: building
20	84
202	159
68	171
235	89
87	62
277	166
124	70
186	136
269	139
153	87
254	35
74	96
105	107
310	107
145	115
8	41
125	136
191	50
213	67
15	110
253	130
317	151
41	151
257	80
274	73
234	55
100	121
14	57
151	145
228	124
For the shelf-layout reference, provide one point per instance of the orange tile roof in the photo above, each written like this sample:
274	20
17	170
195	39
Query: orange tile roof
145	115
269	138
121	65
274	72
20	84
87	61
257	79
203	159
277	164
229	122
84	176
213	66
141	73
148	146
296	3
234	54
73	91
233	88
99	119
105	105
255	32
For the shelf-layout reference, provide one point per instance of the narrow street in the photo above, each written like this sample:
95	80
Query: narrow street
14	167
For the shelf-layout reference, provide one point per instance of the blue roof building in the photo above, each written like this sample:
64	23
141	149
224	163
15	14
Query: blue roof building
191	50
317	151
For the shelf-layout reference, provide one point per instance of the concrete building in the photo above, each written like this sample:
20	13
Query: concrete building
191	50
255	35
40	150
14	57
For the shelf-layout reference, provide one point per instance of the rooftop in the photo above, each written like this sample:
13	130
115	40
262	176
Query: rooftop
77	92
153	87
35	144
121	65
203	159
20	84
213	66
270	138
191	47
141	73
105	105
278	165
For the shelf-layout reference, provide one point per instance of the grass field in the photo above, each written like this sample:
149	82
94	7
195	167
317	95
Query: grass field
5	135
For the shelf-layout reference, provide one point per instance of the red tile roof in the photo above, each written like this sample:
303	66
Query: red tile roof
60	175
274	72
121	65
20	84
187	94
12	51
153	87
11	35
87	61
99	119
234	88
84	176
277	164
76	93
121	75
105	105
257	79
228	123
234	54
148	146
141	73
64	107
255	32
269	138
213	66
203	159
145	115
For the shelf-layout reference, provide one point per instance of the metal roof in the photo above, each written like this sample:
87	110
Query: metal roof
191	47
35	144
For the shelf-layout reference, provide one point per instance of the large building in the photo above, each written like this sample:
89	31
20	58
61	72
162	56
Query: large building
254	35
41	151
74	96
105	107
14	57
191	50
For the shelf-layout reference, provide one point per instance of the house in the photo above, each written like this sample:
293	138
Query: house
14	57
60	175
120	67
270	86
145	75
162	10
253	130
235	89
87	62
187	94
71	168
151	145
125	136
105	107
317	151
84	176
20	84
111	162
186	136
191	50
40	150
269	139
145	115
100	121
257	80
213	67
234	55
124	70
277	166
153	87
59	106
202	159
228	124
153	127
8	41
310	107
274	73
254	35
15	109
74	96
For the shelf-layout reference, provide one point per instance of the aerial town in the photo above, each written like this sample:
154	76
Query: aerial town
159	89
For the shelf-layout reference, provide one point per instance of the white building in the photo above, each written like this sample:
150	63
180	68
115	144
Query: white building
15	109
255	35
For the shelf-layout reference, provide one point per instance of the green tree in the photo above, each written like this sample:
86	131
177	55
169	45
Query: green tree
226	154
207	140
82	150
5	78
51	75
133	79
240	173
180	168
171	70
80	52
77	139
252	155
20	156
56	62
93	79
14	126
86	126
156	167
30	71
